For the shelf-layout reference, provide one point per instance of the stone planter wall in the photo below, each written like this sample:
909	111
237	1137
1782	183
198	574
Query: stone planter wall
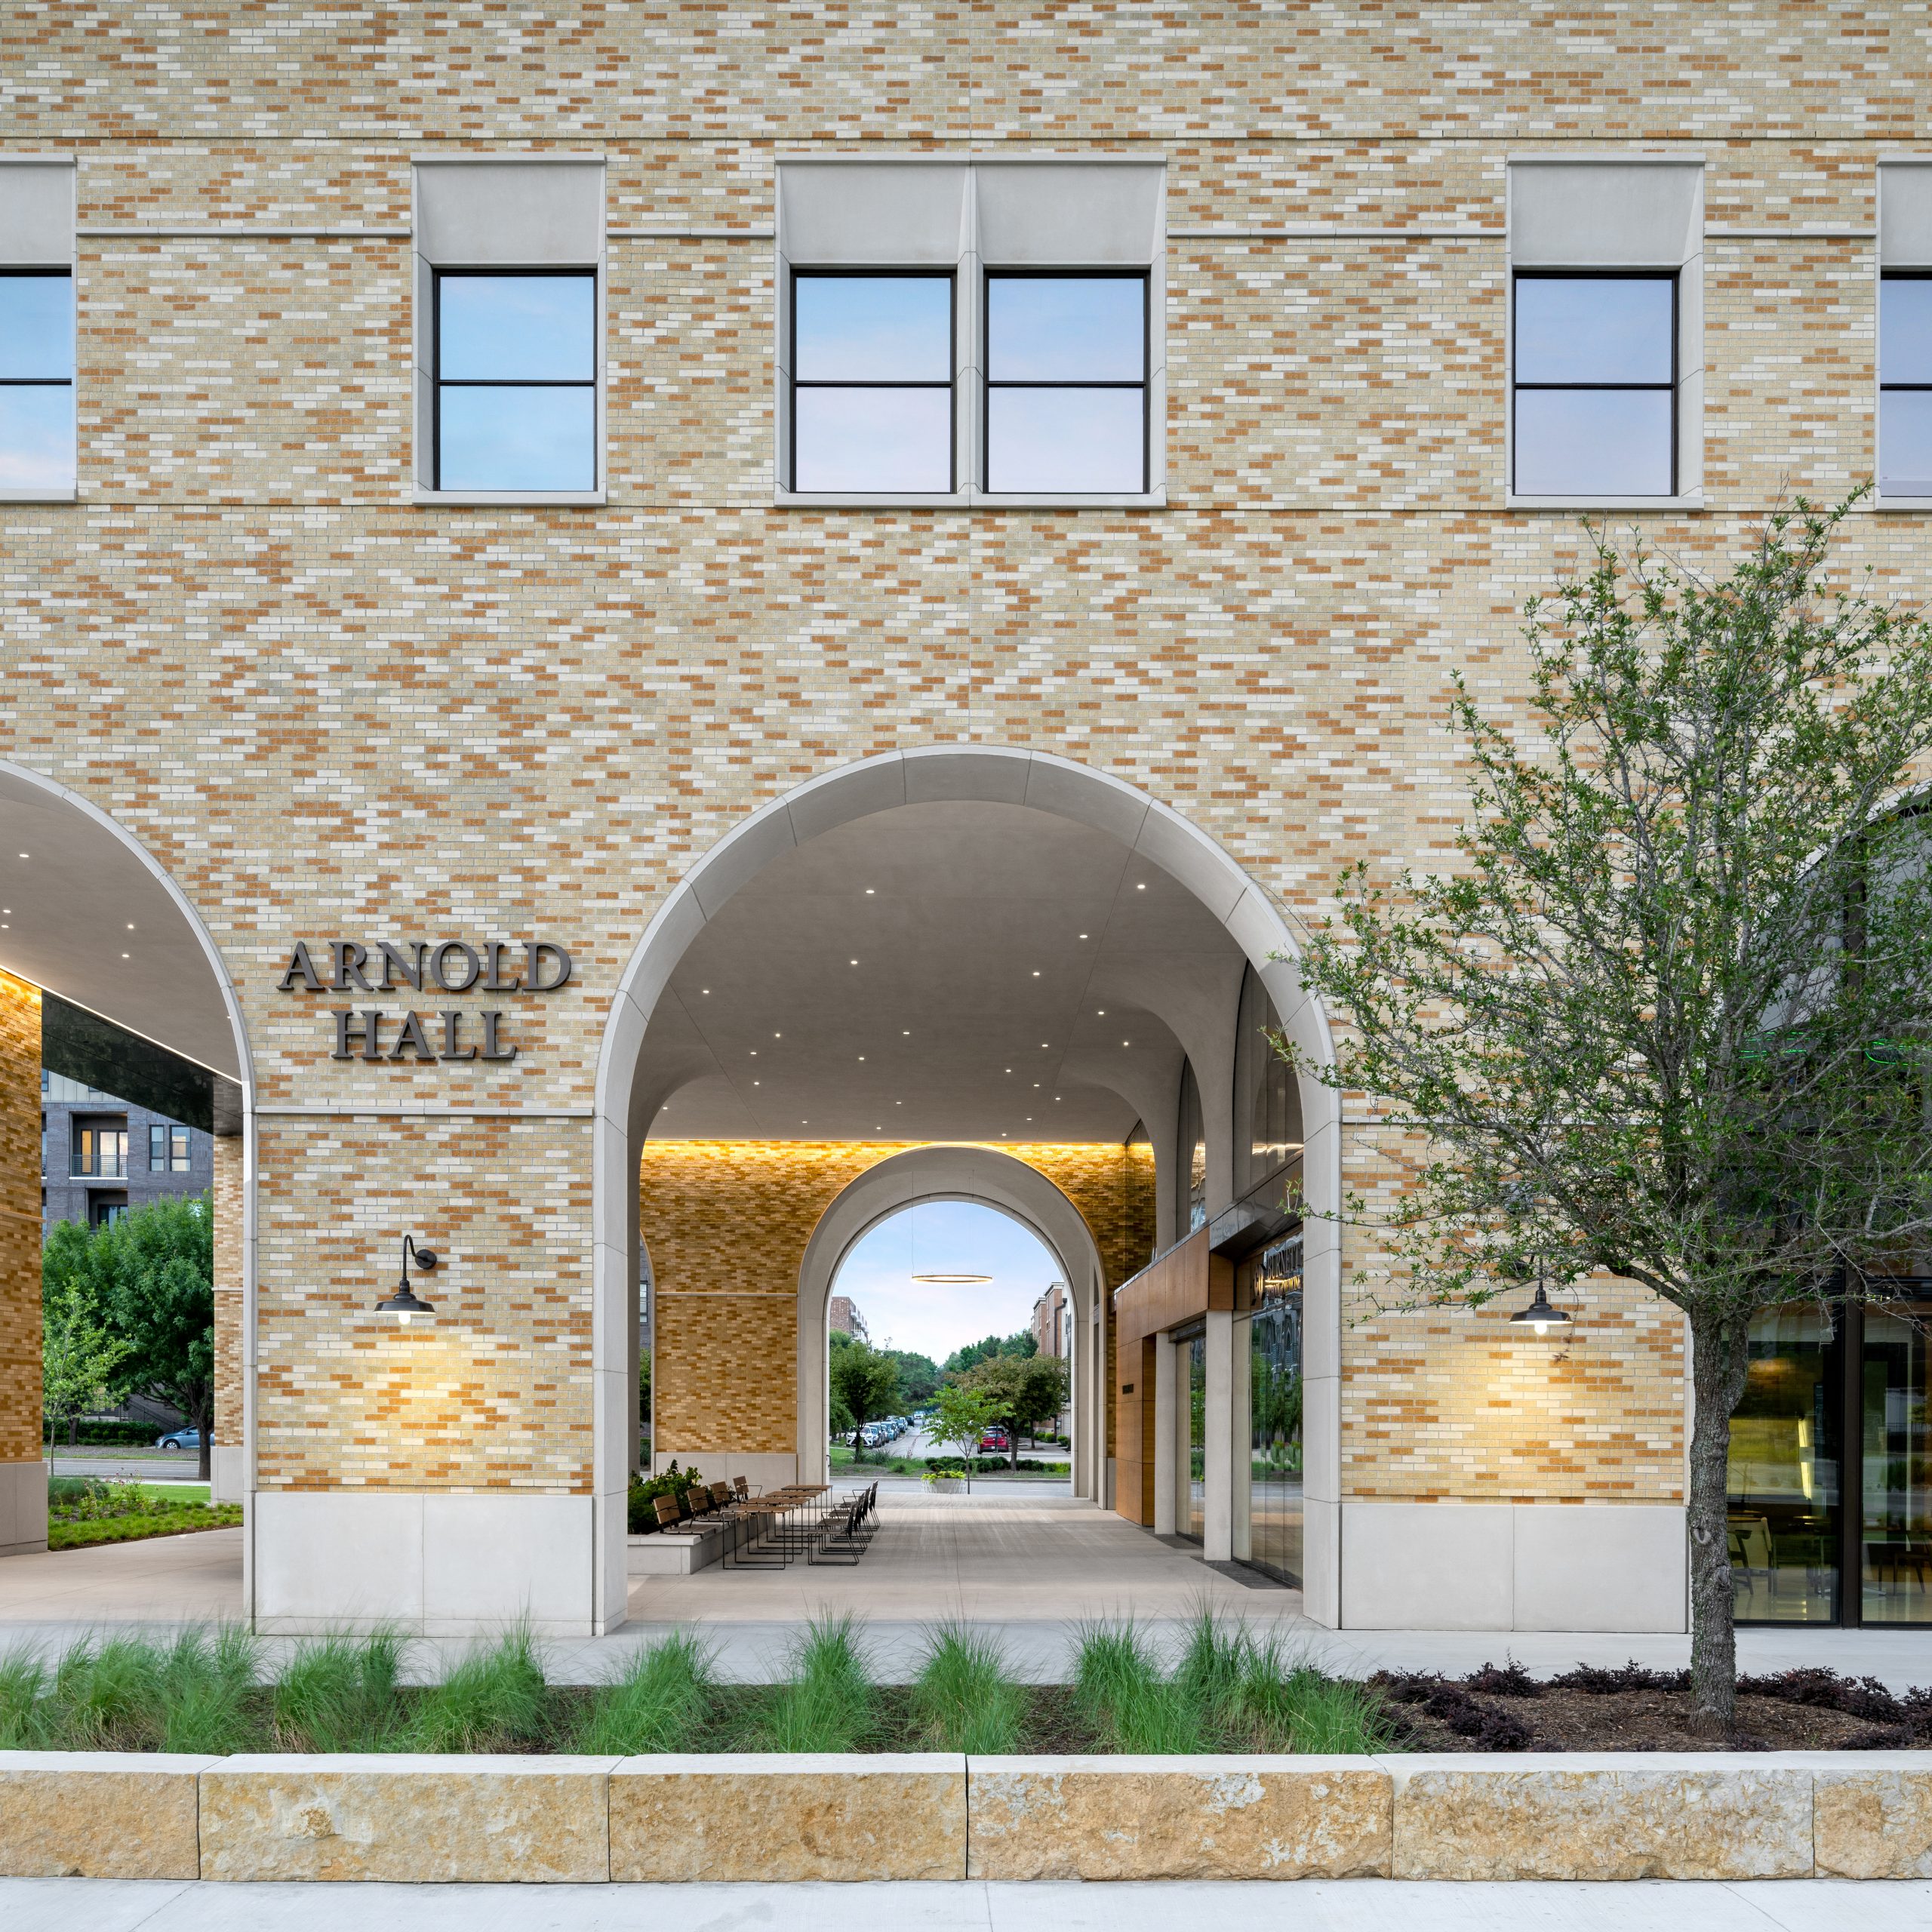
1612	1815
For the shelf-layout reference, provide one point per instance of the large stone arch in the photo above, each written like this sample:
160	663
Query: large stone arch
625	1106
84	885
947	1173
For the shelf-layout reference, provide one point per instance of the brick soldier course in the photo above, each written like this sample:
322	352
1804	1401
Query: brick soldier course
327	711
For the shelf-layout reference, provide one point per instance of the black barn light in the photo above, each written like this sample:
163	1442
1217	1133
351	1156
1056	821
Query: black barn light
405	1301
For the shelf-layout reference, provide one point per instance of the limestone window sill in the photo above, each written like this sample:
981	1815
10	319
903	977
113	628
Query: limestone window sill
1921	504
1692	501
39	496
964	499
536	499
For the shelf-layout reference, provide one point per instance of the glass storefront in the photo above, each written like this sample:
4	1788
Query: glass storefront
1896	1459
1813	1500
1272	1288
1197	1437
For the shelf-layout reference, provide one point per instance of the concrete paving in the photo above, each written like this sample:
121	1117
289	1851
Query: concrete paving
1361	1905
1030	1569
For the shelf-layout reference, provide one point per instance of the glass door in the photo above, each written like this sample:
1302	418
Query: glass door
1895	1453
1196	1525
1272	1285
1785	1473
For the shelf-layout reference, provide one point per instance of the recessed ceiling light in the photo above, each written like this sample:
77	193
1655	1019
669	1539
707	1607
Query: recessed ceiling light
1036	1085
706	990
852	962
1140	888
862	1059
131	925
1043	1043
778	1036
905	1032
1100	1012
754	1053
755	1083
898	1103
1127	1043
1009	1069
124	956
868	892
1083	935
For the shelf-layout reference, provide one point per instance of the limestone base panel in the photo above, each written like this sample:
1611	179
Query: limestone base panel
1502	1566
426	1562
23	1508
228	1473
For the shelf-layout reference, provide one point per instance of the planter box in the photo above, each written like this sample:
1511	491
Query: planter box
948	1485
673	1552
553	1820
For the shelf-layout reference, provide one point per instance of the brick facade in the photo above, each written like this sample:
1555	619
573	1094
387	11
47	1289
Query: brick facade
20	1416
325	710
230	1292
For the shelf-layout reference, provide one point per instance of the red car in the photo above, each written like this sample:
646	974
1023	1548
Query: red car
994	1438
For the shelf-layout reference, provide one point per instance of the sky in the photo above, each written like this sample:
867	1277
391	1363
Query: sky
929	1318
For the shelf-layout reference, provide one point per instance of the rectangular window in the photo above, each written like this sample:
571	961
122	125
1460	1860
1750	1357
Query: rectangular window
1904	383
106	1213
1066	383
1595	384
37	441
157	1150
515	383
177	1155
872	381
100	1151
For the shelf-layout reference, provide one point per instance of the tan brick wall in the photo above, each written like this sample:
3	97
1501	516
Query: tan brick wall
230	1248
325	711
727	1223
494	1392
19	1221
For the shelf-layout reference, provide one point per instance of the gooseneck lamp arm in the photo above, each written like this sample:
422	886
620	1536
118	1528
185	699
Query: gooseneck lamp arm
405	1301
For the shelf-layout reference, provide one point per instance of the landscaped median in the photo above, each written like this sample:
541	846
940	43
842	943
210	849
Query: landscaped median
937	1815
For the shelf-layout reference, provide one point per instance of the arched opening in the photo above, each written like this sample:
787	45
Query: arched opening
124	1065
937	1284
924	955
1000	1181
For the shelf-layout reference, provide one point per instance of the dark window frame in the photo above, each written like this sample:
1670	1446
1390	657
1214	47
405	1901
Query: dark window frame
156	1148
794	382
439	382
1886	388
988	383
1675	386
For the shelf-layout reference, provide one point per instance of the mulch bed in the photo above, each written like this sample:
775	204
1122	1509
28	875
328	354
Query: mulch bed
1502	1708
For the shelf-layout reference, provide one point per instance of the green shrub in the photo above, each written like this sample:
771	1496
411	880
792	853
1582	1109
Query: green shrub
645	1491
963	1699
493	1700
1284	1703
340	1693
1119	1691
827	1703
662	1701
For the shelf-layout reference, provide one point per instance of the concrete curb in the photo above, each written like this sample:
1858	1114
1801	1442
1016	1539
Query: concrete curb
552	1820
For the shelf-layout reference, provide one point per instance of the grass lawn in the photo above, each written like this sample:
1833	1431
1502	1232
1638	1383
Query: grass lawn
133	1529
84	1511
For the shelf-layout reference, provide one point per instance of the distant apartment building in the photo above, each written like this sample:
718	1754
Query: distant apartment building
1053	1335
100	1155
842	1312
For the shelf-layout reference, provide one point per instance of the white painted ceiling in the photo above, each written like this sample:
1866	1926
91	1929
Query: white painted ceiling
1011	969
80	915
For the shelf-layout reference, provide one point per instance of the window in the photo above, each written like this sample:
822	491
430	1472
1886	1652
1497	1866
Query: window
1267	1095
960	330
1904	383
516	380
99	1151
104	1212
1066	383
1190	1181
36	383
872	381
1595	384
177	1150
157	1150
167	1149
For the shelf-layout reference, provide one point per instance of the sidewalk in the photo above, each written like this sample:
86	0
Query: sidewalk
1312	1905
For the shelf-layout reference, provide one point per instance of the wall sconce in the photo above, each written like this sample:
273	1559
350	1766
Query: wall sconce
403	1303
1540	1315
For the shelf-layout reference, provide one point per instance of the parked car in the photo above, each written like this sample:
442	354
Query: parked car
994	1438
182	1438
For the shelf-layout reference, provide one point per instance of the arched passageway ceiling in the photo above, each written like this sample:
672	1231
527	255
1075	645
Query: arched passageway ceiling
84	896
989	936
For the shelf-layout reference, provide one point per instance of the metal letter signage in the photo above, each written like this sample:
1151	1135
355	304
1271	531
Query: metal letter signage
448	966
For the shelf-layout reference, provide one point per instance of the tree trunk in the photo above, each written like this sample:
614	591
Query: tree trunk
1718	1361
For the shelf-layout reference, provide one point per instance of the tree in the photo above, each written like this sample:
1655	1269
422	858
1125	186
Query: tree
1669	1019
78	1357
1025	1388
918	1375
961	1414
1021	1343
149	1279
867	1382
